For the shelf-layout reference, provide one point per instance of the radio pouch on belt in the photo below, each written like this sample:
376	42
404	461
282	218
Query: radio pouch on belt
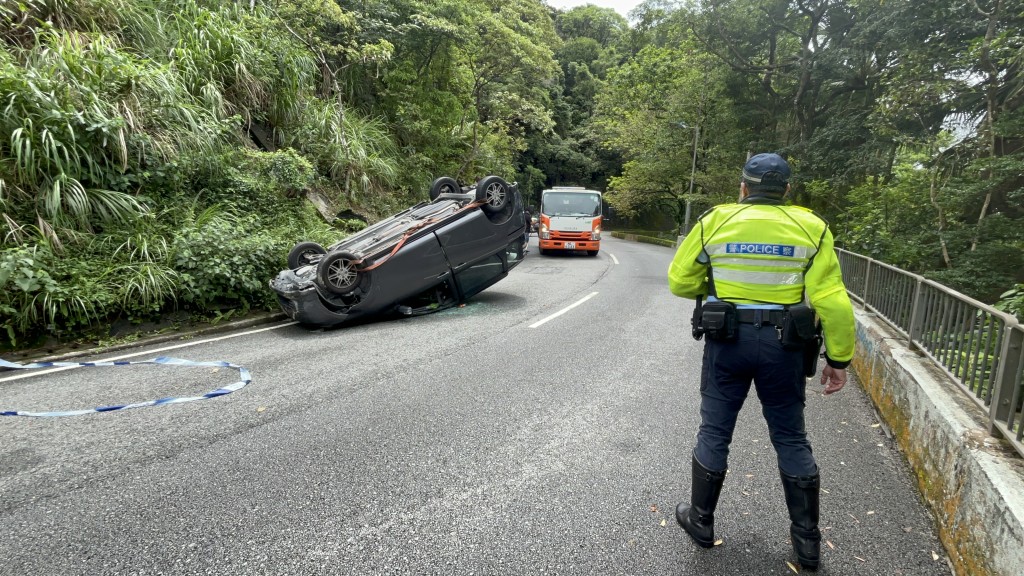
718	319
802	331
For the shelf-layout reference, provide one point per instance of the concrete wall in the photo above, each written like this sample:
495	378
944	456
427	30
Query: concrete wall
973	483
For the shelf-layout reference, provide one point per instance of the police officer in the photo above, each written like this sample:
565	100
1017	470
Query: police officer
755	262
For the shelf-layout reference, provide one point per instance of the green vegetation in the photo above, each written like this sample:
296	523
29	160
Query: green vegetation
653	238
162	155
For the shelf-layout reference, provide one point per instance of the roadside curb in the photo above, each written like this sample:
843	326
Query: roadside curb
255	320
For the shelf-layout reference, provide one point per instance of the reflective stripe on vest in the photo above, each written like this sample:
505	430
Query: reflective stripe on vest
793	264
764	278
739	262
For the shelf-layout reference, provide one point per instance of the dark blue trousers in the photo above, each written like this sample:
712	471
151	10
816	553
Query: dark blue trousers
777	374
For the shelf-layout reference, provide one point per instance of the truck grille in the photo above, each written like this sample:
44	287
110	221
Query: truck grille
570	235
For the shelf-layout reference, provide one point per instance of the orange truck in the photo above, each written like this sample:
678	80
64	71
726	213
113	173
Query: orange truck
570	219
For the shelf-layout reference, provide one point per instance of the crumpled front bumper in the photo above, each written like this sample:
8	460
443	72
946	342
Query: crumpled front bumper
300	300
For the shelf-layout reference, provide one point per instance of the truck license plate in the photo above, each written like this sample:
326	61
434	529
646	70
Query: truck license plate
570	245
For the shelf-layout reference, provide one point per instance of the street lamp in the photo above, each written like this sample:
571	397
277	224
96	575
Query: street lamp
693	173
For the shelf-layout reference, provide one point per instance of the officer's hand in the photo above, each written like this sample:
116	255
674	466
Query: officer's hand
834	379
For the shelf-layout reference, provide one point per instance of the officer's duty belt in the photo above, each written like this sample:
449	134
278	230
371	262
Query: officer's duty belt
749	316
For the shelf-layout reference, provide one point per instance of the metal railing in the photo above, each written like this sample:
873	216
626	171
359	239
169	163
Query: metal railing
980	348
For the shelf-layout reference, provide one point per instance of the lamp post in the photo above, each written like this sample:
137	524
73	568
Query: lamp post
693	173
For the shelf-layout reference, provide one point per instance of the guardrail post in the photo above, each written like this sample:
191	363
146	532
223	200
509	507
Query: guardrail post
867	280
1006	378
916	315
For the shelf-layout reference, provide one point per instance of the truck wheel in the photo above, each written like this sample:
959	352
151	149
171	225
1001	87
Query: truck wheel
591	252
443	185
304	254
337	272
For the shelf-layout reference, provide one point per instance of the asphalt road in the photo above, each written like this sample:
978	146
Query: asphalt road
472	441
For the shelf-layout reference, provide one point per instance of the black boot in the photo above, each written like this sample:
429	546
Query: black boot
802	499
698	518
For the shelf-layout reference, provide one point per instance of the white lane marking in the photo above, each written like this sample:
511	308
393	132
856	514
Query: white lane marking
564	310
614	259
31	373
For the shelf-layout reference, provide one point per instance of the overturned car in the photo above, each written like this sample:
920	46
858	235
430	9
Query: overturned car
421	260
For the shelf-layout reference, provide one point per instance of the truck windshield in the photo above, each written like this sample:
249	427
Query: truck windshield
571	204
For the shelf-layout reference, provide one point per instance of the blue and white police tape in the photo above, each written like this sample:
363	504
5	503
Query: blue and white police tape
244	378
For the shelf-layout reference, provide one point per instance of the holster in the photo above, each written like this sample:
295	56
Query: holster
812	349
695	326
801	331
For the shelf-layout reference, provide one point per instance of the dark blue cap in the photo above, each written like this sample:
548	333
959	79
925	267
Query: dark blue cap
766	172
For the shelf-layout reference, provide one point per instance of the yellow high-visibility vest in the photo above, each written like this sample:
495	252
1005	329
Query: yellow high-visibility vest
767	254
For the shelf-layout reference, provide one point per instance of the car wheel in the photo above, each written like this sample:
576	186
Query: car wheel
495	193
304	254
338	273
443	185
591	252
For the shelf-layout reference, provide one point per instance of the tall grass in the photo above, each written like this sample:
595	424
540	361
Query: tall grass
354	150
82	117
86	120
113	111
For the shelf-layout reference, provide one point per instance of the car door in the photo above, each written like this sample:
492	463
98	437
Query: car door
471	238
420	264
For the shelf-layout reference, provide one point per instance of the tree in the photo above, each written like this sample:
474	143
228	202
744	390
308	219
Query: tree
657	110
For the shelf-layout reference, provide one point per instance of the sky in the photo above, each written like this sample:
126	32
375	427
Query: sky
621	6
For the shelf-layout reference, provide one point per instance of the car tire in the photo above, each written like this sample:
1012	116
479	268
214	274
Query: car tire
338	274
303	254
495	193
591	252
443	185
